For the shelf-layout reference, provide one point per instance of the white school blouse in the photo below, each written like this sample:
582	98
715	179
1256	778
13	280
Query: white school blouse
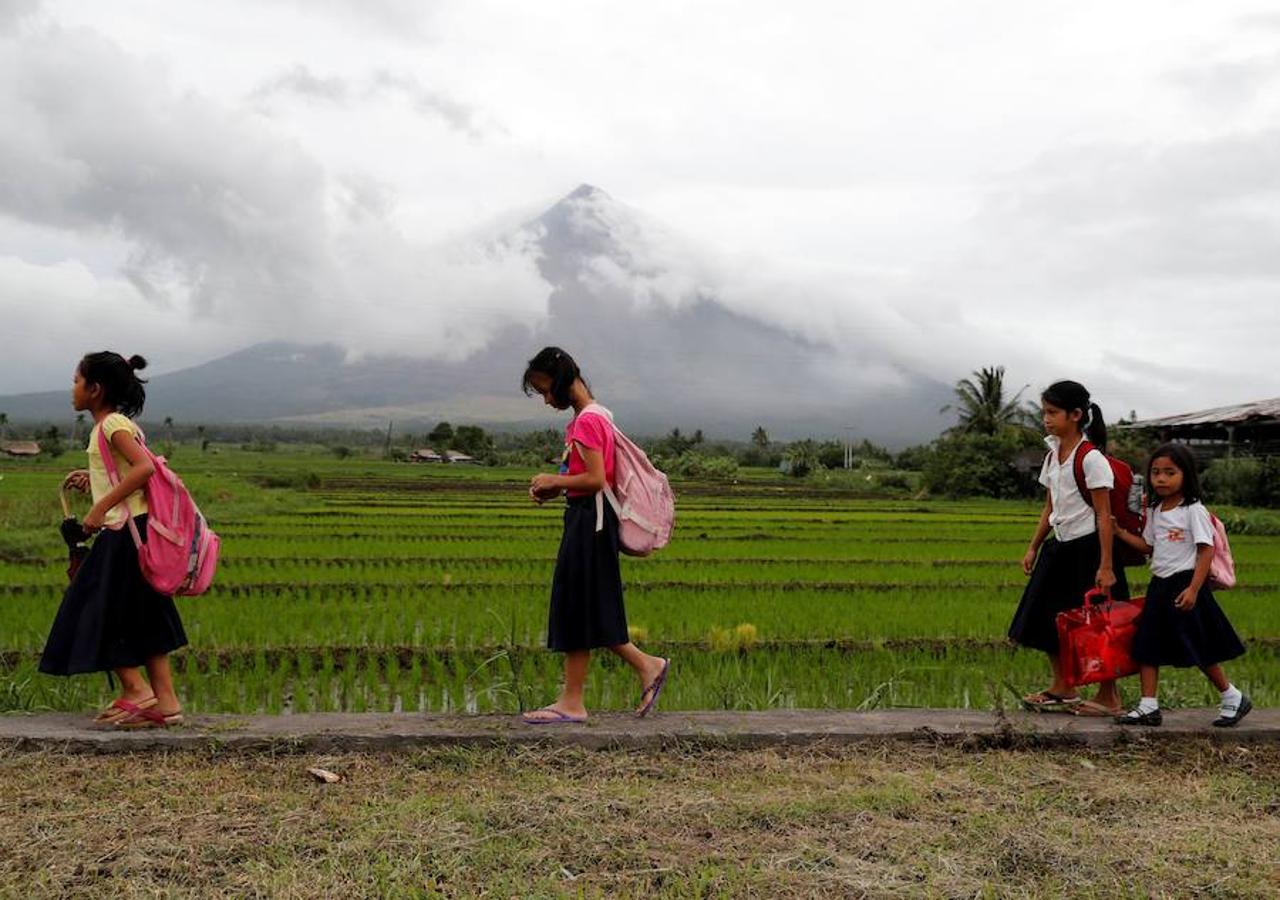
1174	536
1072	517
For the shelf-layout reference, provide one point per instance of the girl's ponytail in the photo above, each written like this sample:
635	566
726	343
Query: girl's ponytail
1095	428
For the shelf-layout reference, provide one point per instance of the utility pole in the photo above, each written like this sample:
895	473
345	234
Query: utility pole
848	446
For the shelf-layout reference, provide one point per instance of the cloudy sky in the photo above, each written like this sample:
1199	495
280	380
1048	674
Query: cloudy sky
1083	189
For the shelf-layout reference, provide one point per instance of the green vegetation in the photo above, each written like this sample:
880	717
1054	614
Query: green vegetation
356	583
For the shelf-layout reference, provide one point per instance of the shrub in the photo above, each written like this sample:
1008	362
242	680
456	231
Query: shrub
1243	482
969	465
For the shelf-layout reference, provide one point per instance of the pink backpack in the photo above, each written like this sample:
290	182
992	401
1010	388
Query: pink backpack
1222	570
641	496
181	552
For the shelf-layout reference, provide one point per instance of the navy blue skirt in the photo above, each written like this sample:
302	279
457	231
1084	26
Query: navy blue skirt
1064	572
110	618
586	592
1167	636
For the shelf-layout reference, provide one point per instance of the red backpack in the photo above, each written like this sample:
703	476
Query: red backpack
1128	502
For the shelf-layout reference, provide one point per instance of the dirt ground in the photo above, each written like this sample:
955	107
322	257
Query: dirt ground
884	819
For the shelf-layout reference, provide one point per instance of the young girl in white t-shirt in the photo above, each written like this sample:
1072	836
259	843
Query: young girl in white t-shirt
1181	623
1071	549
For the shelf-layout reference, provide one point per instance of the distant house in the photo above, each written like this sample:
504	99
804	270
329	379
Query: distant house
454	456
1251	428
425	454
19	448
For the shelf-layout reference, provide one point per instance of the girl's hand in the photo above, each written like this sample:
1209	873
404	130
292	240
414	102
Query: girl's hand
544	485
1186	600
93	519
77	481
1028	561
1105	579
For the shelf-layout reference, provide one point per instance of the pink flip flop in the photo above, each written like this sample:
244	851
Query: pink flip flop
122	709
150	718
653	690
556	718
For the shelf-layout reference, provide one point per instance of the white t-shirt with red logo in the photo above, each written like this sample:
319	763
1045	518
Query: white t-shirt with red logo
1174	535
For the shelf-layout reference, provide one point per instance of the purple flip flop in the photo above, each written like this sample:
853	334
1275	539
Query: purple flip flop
653	690
560	718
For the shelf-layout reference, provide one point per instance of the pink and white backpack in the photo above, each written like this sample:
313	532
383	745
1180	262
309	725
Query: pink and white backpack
181	551
1222	570
641	495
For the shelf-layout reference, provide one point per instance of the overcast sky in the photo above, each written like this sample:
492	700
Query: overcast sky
1084	189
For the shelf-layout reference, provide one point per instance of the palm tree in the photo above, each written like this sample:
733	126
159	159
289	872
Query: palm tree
981	405
4	426
760	437
168	424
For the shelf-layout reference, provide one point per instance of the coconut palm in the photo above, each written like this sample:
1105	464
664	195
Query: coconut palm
981	405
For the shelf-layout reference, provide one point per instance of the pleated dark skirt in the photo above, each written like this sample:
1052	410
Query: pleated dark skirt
586	592
1167	636
1064	572
110	618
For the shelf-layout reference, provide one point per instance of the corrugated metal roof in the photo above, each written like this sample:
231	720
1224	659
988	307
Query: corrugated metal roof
1242	413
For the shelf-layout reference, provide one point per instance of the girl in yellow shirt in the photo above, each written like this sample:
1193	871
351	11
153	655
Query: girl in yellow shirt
111	619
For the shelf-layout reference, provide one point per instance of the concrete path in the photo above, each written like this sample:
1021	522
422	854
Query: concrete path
339	732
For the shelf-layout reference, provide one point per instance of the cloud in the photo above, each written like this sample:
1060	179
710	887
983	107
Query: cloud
1229	83
216	216
300	82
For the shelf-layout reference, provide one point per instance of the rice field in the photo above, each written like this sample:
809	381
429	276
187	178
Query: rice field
368	585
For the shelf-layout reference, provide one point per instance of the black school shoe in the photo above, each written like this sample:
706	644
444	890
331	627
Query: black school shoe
1241	711
1133	717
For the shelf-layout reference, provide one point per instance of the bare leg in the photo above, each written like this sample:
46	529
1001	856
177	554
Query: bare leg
133	687
1219	678
647	667
161	677
1059	685
1149	676
570	701
1107	695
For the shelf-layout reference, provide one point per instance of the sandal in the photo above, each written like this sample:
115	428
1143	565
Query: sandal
554	717
1048	701
121	709
652	691
1094	709
150	718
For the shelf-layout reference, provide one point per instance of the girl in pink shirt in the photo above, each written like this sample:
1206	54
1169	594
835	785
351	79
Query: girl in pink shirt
586	593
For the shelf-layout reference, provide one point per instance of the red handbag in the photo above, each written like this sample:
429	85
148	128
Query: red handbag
1095	640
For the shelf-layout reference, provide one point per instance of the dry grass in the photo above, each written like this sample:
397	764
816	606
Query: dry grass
879	820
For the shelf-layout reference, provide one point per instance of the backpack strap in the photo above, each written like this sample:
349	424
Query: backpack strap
596	409
1083	449
113	478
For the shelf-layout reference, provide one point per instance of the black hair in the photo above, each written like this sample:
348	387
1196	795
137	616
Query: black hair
1072	395
560	368
121	387
1180	455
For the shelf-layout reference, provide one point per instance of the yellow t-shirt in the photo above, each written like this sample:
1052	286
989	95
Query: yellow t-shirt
99	483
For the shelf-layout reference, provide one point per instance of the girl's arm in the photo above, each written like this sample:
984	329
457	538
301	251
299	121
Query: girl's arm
1042	531
141	470
1106	536
589	481
1204	558
1133	540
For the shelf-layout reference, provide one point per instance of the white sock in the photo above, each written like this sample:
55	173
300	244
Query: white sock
1148	705
1231	697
